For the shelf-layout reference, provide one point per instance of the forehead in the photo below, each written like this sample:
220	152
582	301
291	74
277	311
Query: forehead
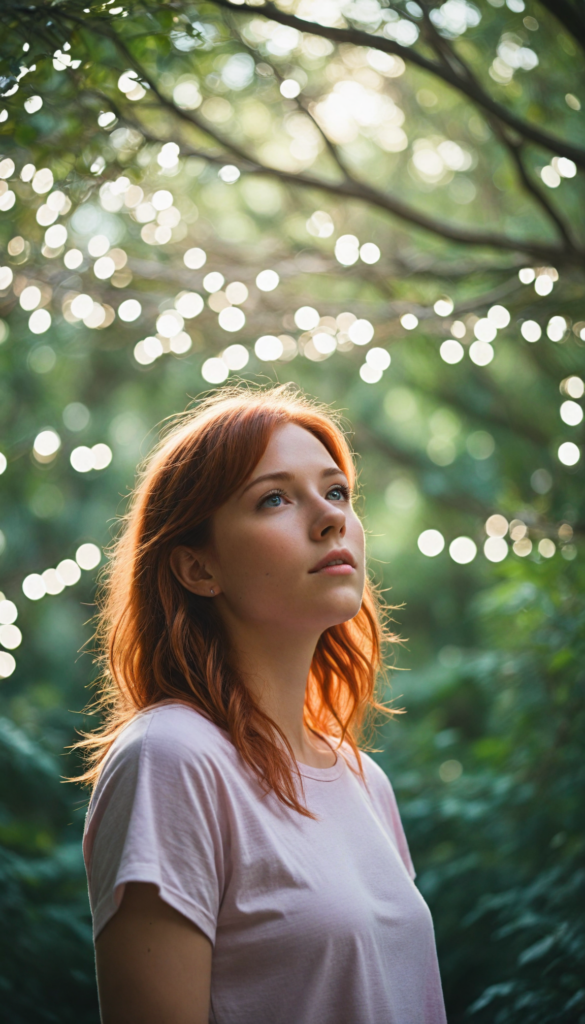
292	447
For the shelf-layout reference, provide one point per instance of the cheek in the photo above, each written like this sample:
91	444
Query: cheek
355	535
260	554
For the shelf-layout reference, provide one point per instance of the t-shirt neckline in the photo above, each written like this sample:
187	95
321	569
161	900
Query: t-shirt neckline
323	774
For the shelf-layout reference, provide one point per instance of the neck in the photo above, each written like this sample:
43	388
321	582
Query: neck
275	668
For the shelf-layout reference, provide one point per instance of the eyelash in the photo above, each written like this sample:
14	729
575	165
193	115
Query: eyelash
278	491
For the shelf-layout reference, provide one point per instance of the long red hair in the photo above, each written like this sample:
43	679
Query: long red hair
158	642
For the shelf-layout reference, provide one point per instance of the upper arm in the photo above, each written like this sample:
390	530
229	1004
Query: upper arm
153	964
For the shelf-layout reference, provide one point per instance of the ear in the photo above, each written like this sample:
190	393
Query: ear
188	565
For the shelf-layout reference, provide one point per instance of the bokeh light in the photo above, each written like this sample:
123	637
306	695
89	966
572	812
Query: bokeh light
290	88
8	612
370	374
147	350
39	321
573	386
462	550
170	323
481	353
431	543
378	358
46	444
499	316
443	306
269	347
231	318
235	357
496	526
546	547
88	556
195	258
7	664
451	351
213	282
369	253
10	637
236	293
485	329
306	318
69	572
571	413
557	328
530	330
495	549
569	453
214	370
543	284
189	304
267	280
129	310
361	332
347	251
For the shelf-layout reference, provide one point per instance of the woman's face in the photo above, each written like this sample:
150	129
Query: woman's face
287	550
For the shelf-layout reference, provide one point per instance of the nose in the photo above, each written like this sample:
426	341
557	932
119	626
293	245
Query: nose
329	521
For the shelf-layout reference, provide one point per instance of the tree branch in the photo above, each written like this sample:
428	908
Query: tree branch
366	436
350	189
302	106
514	148
474	92
570	16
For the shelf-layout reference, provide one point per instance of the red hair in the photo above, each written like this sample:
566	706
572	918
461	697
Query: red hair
158	642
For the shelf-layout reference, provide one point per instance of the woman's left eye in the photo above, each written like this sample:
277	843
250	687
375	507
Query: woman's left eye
340	492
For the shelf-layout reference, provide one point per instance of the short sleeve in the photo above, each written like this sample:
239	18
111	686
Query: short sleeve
385	802
153	818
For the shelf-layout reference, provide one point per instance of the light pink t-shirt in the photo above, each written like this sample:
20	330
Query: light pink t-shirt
312	921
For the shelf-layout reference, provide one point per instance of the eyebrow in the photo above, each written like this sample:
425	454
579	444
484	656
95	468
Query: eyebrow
283	475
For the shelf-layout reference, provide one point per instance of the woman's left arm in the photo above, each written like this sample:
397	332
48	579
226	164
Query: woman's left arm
153	964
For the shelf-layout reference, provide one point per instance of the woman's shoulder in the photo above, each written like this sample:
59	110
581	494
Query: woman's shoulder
375	777
173	734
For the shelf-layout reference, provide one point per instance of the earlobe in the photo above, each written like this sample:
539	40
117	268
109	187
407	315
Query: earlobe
189	569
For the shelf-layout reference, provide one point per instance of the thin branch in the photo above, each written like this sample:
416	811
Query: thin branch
302	106
571	16
474	92
351	189
364	435
514	148
505	420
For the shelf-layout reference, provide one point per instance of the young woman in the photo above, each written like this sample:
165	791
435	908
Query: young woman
246	863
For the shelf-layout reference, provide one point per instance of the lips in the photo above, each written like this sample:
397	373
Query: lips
342	556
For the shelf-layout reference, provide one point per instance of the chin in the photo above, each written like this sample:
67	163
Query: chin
343	612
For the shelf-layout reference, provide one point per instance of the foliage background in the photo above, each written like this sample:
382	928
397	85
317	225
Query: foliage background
450	137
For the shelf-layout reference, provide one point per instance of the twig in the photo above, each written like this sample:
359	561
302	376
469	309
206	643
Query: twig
350	188
474	92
